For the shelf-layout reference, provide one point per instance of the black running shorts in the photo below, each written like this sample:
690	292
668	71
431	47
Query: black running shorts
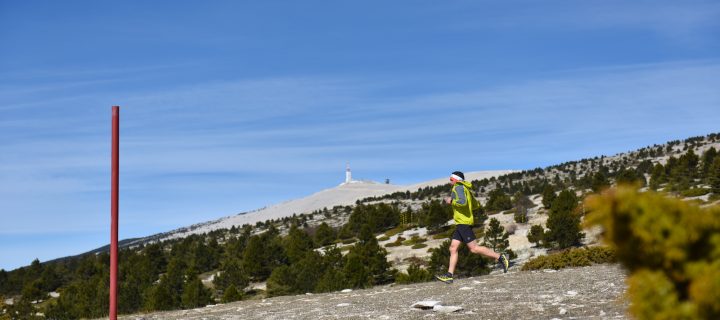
464	233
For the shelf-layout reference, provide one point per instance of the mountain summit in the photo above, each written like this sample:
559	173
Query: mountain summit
341	195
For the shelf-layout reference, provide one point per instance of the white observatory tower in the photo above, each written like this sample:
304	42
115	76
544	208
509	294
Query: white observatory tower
348	174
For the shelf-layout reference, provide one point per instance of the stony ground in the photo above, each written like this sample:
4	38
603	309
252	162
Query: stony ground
578	293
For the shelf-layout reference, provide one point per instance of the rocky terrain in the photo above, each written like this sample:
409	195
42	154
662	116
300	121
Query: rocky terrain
579	293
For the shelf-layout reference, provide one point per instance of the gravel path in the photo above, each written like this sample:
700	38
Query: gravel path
578	293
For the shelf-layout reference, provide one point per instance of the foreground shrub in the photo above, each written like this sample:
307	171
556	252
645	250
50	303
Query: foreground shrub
576	257
670	247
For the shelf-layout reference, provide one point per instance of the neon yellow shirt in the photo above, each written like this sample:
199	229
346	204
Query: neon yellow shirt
463	203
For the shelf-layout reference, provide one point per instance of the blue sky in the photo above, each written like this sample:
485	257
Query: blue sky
227	106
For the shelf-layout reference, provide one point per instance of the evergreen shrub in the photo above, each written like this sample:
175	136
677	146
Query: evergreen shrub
575	257
415	273
695	192
670	247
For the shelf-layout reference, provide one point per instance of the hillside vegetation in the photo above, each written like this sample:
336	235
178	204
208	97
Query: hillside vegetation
342	247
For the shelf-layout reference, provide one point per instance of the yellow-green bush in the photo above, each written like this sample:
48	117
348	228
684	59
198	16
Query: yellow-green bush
445	233
576	257
670	247
395	231
414	240
415	273
695	192
398	242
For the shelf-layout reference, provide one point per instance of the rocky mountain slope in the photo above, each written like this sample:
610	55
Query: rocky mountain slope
578	293
342	195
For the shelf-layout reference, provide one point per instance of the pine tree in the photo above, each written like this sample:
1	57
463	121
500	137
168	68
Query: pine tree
281	282
683	173
308	272
160	298
253	261
498	201
366	263
333	278
252	257
521	204
714	176
297	243
548	195
657	177
563	223
600	181
33	291
628	176
707	160
234	247
324	235
130	294
4	283
50	278
231	294
536	234
496	238
195	294
436	214
231	274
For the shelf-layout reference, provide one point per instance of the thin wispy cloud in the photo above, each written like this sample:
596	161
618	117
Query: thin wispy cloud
529	115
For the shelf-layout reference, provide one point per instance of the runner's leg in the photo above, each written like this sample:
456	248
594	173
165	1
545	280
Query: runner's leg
454	245
478	249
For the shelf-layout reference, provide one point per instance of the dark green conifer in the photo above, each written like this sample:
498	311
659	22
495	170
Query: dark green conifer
563	222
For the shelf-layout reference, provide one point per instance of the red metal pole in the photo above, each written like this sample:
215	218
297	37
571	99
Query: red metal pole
114	210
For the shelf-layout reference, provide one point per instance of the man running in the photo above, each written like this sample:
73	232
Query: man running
463	203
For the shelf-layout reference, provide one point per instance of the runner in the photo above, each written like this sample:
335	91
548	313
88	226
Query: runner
463	203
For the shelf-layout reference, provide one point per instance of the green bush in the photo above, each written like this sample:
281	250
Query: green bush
398	242
575	257
231	294
445	234
695	192
384	238
419	246
536	234
415	273
395	231
414	240
670	247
